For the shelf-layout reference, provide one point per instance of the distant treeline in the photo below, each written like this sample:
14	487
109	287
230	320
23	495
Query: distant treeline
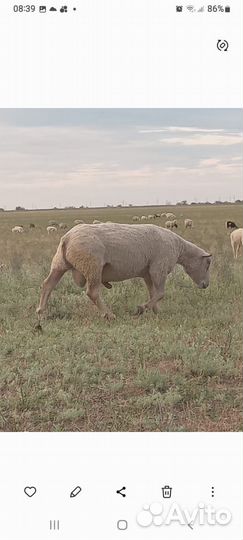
180	203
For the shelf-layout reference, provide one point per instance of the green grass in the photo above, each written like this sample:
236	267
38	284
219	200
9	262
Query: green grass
179	370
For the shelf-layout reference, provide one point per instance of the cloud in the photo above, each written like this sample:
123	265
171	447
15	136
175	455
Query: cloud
179	129
205	140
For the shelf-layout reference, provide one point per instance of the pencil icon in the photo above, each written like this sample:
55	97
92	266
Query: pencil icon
75	491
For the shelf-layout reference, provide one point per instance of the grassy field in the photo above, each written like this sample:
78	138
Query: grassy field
178	371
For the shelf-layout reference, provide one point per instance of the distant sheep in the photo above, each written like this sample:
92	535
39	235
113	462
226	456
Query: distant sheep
78	221
236	239
171	224
32	226
63	226
52	223
96	221
163	215
18	229
230	225
136	218
169	215
51	229
150	216
188	223
144	218
157	215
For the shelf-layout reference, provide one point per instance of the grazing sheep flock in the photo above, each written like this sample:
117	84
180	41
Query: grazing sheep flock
171	223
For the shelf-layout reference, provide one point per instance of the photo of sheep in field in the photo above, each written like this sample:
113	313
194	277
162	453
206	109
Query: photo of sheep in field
115	252
121	270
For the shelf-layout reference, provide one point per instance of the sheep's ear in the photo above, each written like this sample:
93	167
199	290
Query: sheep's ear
209	255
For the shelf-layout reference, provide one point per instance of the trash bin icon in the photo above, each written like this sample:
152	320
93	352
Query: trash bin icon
166	491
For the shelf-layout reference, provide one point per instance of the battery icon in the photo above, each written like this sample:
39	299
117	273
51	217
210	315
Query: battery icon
227	9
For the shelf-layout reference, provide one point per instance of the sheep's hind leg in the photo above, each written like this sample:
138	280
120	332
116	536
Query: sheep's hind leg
47	287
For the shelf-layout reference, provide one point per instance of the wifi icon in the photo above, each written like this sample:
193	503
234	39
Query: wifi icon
190	8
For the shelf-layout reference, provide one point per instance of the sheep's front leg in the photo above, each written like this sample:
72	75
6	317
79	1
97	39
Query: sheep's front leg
93	292
155	282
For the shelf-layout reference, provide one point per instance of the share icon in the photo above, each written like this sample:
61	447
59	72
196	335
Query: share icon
120	492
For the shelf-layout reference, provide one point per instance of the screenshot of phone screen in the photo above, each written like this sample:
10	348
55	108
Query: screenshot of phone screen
121	246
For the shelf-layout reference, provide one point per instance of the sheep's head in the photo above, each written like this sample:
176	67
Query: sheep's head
198	268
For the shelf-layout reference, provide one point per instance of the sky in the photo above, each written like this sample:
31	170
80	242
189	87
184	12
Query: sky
95	157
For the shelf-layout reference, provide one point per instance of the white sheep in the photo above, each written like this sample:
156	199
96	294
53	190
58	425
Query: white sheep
135	218
78	221
51	229
18	229
96	221
171	224
151	216
163	215
143	218
188	223
236	239
117	252
169	215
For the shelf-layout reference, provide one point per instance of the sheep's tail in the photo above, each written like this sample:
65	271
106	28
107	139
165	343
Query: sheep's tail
61	253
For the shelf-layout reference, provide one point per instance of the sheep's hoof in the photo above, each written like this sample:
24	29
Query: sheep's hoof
107	285
38	327
109	316
39	311
140	310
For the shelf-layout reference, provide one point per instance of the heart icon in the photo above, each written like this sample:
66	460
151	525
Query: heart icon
30	491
